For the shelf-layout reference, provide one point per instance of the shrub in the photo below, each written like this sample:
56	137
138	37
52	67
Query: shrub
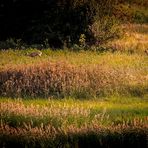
105	29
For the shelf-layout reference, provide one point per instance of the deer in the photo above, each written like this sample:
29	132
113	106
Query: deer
35	54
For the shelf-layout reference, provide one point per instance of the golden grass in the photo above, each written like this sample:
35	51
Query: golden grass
135	39
61	79
68	120
50	132
12	58
63	113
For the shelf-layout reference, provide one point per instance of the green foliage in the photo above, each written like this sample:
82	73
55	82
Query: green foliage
131	11
106	29
82	40
12	43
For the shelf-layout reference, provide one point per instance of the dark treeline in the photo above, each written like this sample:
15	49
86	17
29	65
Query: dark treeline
53	21
56	22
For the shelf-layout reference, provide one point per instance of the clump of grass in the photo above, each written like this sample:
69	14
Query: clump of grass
60	79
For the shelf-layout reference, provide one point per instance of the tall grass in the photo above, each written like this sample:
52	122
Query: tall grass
63	113
135	39
71	123
121	136
61	79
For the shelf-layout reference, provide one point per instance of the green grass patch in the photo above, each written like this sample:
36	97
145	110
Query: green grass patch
10	58
68	112
73	123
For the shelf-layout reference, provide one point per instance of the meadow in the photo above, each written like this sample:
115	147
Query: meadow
107	122
85	98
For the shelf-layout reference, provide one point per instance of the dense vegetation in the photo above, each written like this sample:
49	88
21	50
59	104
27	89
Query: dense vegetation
92	91
63	23
53	21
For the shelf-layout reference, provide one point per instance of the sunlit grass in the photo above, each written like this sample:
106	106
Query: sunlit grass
134	40
12	58
66	112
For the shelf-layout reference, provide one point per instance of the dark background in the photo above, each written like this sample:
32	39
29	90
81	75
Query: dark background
35	21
